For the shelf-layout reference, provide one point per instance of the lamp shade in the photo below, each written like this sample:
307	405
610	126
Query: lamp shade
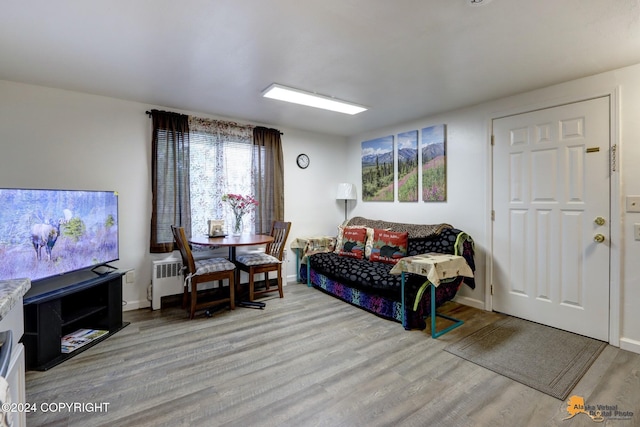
346	192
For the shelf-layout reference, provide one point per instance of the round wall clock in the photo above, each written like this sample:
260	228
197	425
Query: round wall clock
303	161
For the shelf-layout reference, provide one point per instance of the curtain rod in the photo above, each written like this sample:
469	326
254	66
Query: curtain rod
148	113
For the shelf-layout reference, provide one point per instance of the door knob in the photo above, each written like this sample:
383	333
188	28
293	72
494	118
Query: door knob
599	220
598	238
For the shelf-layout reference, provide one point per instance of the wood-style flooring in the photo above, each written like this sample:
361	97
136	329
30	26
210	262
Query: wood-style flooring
307	360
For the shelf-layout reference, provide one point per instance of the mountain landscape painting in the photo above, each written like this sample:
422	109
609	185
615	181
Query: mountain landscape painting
377	170
434	164
408	166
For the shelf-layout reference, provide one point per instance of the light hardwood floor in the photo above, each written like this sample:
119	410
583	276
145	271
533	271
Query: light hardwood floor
307	360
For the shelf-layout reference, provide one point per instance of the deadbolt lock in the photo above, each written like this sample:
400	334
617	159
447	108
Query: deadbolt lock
599	220
599	238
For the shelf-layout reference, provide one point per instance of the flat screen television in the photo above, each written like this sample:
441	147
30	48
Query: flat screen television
46	233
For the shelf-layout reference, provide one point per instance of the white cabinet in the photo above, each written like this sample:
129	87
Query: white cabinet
17	386
11	305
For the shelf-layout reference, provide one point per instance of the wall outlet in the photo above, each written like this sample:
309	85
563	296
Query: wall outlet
130	276
636	231
633	203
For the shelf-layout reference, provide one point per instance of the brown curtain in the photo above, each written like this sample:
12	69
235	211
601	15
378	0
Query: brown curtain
170	178
268	177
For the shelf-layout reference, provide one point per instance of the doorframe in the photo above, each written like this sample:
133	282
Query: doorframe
615	200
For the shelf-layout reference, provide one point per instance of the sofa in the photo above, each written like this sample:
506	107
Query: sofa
357	271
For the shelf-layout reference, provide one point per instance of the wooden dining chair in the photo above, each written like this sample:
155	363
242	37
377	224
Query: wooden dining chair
202	271
267	261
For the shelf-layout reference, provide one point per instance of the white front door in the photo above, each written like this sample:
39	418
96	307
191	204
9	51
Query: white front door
551	175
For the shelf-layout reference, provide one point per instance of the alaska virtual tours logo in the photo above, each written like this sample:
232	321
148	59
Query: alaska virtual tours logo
598	413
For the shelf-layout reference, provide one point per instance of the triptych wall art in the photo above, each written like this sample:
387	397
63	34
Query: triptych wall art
377	170
418	165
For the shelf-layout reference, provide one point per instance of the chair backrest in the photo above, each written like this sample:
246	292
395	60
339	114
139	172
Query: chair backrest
183	246
279	232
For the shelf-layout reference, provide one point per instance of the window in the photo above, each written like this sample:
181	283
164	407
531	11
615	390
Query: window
217	168
196	161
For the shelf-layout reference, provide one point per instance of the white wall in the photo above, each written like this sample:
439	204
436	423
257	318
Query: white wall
468	181
52	138
60	139
466	206
310	193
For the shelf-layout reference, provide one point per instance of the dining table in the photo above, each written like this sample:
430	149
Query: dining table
233	242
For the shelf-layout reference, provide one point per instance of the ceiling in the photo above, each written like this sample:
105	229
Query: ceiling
404	59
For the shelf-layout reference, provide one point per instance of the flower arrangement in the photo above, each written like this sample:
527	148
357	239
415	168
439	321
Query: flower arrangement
240	205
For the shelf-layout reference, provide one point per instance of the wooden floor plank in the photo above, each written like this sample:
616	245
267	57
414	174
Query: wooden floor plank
306	360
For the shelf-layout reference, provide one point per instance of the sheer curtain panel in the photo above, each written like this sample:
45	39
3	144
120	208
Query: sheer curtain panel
220	164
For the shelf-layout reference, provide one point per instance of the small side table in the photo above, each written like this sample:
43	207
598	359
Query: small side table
305	246
436	268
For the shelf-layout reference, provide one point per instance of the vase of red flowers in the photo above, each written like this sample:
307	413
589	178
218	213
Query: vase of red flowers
240	205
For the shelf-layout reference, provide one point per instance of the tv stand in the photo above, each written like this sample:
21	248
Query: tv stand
56	307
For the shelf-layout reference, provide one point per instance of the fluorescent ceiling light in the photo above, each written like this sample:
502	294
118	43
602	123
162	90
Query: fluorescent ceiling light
301	97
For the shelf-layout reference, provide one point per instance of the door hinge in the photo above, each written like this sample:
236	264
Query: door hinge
493	140
493	215
613	157
491	289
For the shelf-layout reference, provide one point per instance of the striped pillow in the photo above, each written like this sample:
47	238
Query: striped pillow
257	259
211	265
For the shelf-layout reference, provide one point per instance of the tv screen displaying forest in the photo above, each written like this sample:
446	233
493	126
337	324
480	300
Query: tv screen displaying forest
46	233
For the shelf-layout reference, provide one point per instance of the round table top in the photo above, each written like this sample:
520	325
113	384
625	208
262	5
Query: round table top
243	240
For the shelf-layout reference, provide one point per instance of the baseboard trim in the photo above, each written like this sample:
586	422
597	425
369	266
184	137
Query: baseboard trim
135	305
630	345
471	302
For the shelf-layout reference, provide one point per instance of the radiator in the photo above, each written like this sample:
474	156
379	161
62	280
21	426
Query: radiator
166	279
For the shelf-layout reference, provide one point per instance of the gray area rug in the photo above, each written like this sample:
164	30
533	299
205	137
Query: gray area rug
544	358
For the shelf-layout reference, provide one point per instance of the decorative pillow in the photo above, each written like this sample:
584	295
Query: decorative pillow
388	246
353	242
338	247
340	236
369	244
